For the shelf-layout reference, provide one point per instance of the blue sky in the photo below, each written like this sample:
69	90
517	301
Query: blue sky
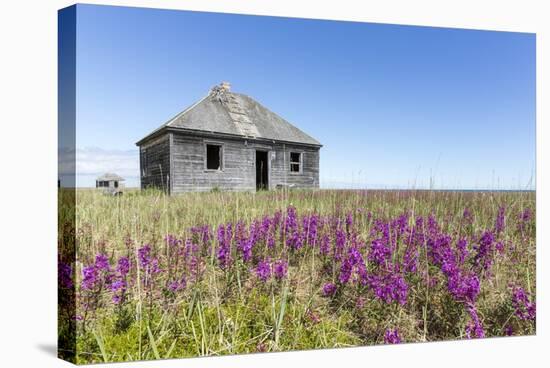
394	106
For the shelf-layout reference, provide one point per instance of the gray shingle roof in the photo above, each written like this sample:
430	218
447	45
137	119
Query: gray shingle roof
225	112
110	177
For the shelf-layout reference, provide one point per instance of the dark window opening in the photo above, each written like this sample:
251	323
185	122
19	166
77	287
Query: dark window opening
213	157
295	161
116	184
262	175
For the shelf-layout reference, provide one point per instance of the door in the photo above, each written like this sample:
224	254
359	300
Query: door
262	171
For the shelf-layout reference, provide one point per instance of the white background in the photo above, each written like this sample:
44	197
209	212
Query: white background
28	173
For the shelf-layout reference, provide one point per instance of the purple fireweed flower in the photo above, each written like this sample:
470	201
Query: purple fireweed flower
245	239
253	239
276	220
154	266
270	241
433	225
484	256
418	235
379	252
499	246
291	231
340	243
389	288
329	289
123	266
391	336
173	286
246	246
349	221
464	288
353	261
89	277
526	215
102	262
117	285
500	221
410	259
224	256
439	247
177	285
400	225
280	269
524	308
266	225
290	219
224	249
345	271
462	250
144	255
474	328
172	240
324	245
196	267
65	275
525	218
189	249
310	225
354	256
263	270
508	330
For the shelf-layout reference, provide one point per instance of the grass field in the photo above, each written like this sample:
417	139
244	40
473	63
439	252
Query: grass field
226	273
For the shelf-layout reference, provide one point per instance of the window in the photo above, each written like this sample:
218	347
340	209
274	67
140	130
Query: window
295	162
116	184
213	157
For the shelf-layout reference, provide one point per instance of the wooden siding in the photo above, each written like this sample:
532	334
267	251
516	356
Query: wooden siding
190	173
238	164
308	177
155	163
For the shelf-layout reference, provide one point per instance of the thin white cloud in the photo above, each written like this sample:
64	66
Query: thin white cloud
97	161
91	162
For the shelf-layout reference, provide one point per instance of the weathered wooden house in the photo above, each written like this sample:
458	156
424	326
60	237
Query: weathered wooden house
228	141
110	183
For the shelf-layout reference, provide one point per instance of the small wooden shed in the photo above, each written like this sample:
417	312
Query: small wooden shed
110	182
228	141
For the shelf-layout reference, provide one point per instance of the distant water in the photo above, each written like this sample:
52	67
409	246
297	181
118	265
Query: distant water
437	190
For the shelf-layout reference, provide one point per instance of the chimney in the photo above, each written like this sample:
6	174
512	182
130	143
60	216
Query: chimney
225	86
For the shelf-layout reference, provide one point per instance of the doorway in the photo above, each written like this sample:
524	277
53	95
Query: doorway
262	170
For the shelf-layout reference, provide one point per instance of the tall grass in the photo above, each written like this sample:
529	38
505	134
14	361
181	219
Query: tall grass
233	312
